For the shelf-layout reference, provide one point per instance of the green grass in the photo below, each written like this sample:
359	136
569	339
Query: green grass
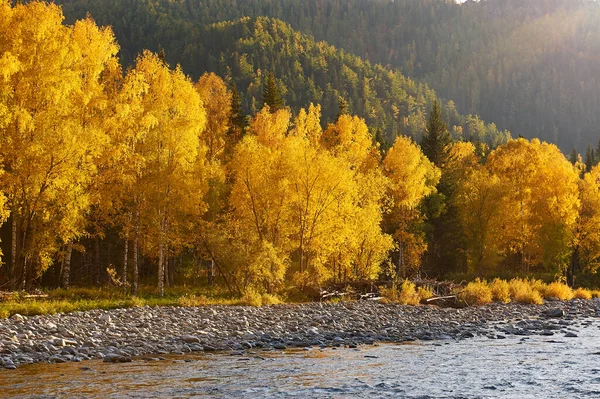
82	299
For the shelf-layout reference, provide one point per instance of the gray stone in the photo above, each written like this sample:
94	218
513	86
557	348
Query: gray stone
555	313
190	339
116	358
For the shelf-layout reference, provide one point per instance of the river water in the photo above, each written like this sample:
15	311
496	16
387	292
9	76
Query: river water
515	367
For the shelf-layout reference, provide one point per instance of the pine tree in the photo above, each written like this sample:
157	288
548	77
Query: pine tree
436	140
343	107
597	157
589	158
574	156
271	95
237	118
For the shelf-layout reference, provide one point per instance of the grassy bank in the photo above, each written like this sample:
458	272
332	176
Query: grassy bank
82	299
477	292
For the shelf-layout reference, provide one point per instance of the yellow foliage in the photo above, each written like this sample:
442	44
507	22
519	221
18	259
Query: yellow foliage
558	290
538	285
582	293
522	291
52	99
269	128
349	138
530	297
542	193
412	175
216	100
500	290
191	300
406	294
587	234
476	293
424	293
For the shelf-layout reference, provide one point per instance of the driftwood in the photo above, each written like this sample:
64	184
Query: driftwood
440	298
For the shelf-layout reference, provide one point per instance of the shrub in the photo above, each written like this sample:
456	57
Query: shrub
530	296
406	294
268	299
424	293
596	294
252	298
558	290
500	290
522	291
476	293
192	300
539	286
582	293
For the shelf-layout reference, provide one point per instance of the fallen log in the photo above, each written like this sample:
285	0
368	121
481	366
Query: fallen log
441	298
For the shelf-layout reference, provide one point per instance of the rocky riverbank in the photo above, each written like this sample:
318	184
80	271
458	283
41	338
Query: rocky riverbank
120	335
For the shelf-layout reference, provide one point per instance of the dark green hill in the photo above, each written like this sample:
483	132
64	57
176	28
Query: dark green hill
245	50
530	66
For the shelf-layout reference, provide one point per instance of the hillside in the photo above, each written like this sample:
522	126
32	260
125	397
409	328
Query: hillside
529	66
244	50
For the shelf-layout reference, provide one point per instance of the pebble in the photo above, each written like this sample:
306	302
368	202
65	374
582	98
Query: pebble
119	335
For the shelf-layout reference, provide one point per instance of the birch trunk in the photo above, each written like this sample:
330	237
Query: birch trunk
66	277
125	256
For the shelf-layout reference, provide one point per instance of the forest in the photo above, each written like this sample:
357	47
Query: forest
527	66
262	177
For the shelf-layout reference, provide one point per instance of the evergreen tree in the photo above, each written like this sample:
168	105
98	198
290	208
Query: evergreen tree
237	119
574	156
589	158
343	107
437	138
596	156
271	95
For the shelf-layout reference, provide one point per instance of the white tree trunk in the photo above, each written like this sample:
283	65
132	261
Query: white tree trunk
67	266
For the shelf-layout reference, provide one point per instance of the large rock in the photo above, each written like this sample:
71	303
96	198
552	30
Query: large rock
190	339
555	313
115	358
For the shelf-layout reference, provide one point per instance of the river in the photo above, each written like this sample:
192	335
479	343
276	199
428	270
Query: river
515	367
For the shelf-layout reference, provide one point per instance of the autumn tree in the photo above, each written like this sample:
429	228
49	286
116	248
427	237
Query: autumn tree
51	97
167	169
542	195
258	200
413	177
217	101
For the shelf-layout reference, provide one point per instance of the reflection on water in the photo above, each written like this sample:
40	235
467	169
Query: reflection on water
516	367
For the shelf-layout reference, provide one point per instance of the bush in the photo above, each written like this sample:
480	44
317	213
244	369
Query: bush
424	293
539	286
192	300
558	290
500	290
582	293
268	299
523	291
252	298
476	293
529	296
406	294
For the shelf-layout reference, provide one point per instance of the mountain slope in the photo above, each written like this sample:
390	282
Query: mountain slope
307	71
530	66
